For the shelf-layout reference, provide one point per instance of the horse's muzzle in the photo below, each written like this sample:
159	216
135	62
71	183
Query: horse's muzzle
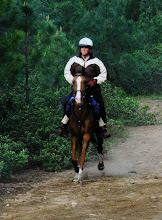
78	100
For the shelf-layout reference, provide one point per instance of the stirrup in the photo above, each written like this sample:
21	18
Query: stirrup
104	131
61	130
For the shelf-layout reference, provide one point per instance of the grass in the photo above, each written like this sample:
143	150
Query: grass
152	96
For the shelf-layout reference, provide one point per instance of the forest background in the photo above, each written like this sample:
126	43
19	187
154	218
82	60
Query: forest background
38	37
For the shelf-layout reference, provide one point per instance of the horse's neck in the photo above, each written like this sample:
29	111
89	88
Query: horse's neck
80	112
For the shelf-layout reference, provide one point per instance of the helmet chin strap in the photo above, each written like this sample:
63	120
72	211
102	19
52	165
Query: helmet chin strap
85	55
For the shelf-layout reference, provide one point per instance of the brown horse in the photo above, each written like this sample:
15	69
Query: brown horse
81	127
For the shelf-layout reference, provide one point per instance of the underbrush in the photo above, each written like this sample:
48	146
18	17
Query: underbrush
13	156
152	96
126	110
27	130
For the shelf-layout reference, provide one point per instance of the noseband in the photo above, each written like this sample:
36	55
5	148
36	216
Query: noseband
83	94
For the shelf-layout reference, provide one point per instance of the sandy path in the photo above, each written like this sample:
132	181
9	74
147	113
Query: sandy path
141	153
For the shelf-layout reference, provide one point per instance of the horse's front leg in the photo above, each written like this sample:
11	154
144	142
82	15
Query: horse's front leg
86	140
73	156
79	148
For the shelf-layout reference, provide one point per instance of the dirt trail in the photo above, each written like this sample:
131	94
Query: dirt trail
130	187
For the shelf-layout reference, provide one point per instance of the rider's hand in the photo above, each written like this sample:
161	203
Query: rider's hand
92	83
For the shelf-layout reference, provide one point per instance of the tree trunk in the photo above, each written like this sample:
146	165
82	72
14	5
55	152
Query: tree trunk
26	57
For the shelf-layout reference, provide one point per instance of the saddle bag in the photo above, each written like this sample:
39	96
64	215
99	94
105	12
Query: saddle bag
94	104
65	99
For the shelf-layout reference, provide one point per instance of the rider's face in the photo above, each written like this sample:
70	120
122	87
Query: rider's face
84	50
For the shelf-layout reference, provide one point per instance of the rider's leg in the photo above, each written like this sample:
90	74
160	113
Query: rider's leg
62	129
65	120
102	121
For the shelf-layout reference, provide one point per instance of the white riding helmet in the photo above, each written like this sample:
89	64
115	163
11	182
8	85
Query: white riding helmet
85	42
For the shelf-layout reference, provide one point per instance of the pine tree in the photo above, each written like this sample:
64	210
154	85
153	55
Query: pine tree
132	10
54	50
11	39
67	14
18	26
29	22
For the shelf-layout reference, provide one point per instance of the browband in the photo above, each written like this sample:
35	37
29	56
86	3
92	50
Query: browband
78	74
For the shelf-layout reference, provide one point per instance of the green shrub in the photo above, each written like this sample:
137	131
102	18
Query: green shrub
127	109
31	126
56	154
13	156
139	72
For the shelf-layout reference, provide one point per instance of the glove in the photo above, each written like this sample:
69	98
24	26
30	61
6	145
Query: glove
92	83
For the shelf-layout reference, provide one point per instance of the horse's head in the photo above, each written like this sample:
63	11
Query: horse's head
79	88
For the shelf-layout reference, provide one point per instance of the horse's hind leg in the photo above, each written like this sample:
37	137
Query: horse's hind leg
100	152
101	163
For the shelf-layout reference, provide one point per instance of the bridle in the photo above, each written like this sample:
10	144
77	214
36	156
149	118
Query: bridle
83	93
83	97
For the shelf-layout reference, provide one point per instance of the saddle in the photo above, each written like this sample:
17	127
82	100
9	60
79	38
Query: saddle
68	100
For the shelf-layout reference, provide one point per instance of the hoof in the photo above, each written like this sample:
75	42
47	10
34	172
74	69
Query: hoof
80	182
101	166
75	179
80	176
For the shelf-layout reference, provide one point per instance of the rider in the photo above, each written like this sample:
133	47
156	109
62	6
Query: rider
95	73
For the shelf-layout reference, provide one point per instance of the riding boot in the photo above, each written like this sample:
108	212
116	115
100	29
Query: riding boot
104	132
62	130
